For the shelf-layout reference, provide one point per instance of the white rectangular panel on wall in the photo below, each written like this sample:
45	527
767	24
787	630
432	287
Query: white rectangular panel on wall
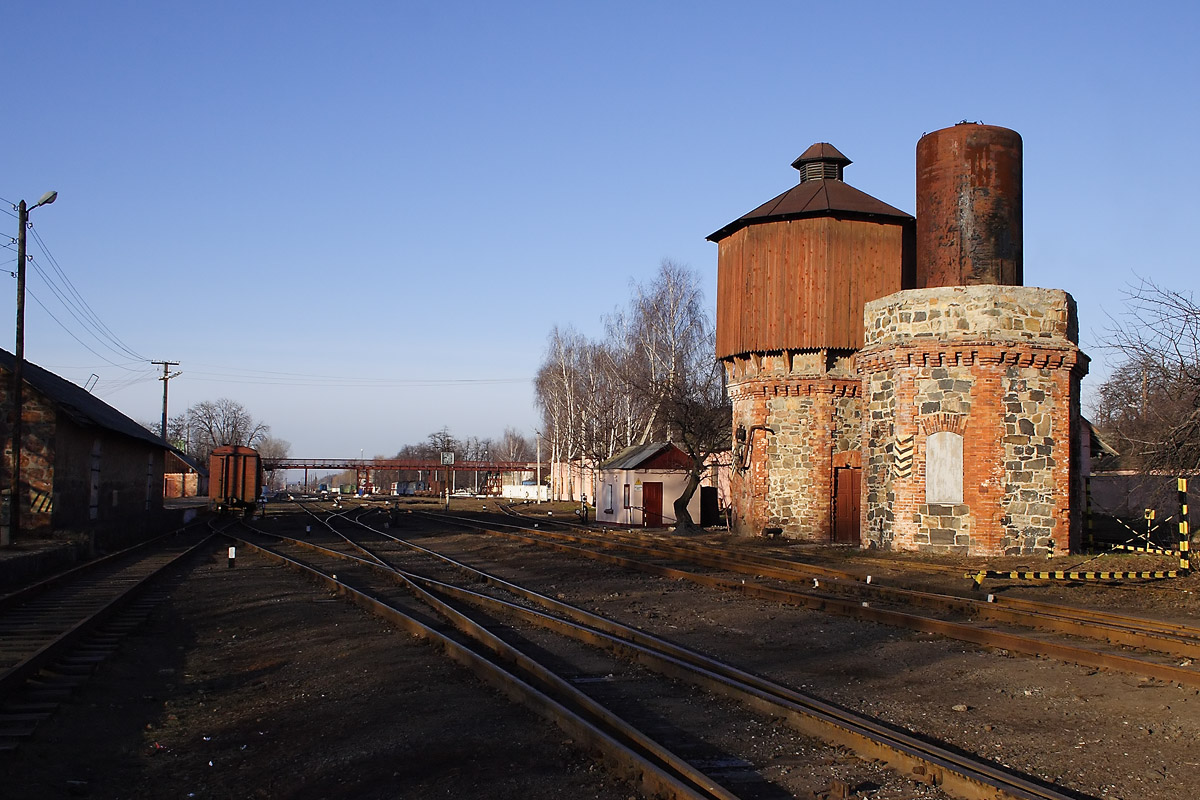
944	468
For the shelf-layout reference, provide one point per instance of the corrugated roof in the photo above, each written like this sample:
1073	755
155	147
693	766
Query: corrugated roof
634	456
814	199
77	403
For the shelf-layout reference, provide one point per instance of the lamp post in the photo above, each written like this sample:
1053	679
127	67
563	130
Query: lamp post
14	496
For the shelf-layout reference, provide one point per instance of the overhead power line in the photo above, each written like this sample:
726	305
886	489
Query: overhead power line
74	302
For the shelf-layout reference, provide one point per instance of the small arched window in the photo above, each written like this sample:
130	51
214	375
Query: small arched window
944	468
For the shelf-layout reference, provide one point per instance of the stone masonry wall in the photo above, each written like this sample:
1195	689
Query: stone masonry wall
1035	441
795	413
996	365
879	434
37	459
972	313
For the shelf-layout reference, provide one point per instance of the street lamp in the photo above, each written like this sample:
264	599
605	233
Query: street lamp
14	496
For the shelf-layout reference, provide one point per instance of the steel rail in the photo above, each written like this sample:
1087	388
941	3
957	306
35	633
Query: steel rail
1118	629
26	593
956	772
551	682
666	776
784	569
865	611
47	653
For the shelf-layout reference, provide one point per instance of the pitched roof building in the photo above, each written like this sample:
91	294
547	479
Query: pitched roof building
86	468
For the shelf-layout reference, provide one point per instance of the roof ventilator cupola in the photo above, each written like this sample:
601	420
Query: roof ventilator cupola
821	162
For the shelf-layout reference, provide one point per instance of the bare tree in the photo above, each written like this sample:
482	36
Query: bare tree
654	377
443	441
214	423
512	446
273	449
670	358
1150	405
557	393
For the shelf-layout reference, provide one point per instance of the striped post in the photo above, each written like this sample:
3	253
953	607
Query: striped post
1185	565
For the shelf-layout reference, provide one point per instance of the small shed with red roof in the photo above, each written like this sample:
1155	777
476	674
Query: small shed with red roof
638	486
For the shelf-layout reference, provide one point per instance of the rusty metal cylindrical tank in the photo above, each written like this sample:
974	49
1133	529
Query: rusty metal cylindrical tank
969	207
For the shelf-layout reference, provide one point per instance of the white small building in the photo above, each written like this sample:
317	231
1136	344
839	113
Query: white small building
638	486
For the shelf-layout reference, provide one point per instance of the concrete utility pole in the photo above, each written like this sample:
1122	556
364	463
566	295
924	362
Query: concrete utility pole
14	497
165	377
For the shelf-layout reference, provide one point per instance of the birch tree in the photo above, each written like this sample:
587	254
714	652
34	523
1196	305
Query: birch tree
670	355
653	378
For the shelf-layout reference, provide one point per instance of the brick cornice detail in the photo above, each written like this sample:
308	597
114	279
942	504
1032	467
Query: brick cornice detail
938	353
759	387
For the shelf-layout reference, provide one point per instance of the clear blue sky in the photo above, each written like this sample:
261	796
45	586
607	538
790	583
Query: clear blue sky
406	195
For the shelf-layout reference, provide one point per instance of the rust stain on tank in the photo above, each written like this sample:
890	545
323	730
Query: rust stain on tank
969	207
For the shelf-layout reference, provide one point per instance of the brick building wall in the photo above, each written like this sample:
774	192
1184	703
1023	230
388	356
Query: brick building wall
80	479
796	415
997	368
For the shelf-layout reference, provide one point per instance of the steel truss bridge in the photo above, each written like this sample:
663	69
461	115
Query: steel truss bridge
364	467
370	464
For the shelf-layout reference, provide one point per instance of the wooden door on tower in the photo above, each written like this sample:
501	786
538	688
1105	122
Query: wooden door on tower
847	483
652	500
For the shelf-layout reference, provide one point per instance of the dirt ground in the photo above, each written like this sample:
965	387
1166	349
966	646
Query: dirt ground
250	682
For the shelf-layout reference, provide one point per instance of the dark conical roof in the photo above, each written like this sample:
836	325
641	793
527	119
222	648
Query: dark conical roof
821	151
819	194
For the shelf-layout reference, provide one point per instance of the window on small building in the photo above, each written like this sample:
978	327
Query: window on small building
608	493
626	496
944	468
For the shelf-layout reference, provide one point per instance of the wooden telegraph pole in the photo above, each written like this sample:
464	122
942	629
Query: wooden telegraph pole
165	378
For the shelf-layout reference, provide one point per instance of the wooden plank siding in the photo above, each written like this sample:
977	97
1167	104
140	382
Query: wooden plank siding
802	283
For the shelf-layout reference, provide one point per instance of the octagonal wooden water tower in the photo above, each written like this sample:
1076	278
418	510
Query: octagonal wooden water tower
793	277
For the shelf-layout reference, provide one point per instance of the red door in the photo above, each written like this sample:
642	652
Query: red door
652	505
847	483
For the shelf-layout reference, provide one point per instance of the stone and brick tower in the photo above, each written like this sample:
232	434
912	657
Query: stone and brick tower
793	277
894	384
971	434
971	427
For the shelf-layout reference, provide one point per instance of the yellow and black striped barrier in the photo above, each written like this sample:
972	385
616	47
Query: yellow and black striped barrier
1157	551
1185	536
1184	553
1068	575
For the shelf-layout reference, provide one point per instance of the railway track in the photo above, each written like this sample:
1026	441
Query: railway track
1091	638
654	738
55	632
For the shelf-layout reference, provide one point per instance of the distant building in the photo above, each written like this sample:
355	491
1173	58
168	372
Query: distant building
184	477
86	468
638	486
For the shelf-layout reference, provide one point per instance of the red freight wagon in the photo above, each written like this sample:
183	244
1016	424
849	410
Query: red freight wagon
234	478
